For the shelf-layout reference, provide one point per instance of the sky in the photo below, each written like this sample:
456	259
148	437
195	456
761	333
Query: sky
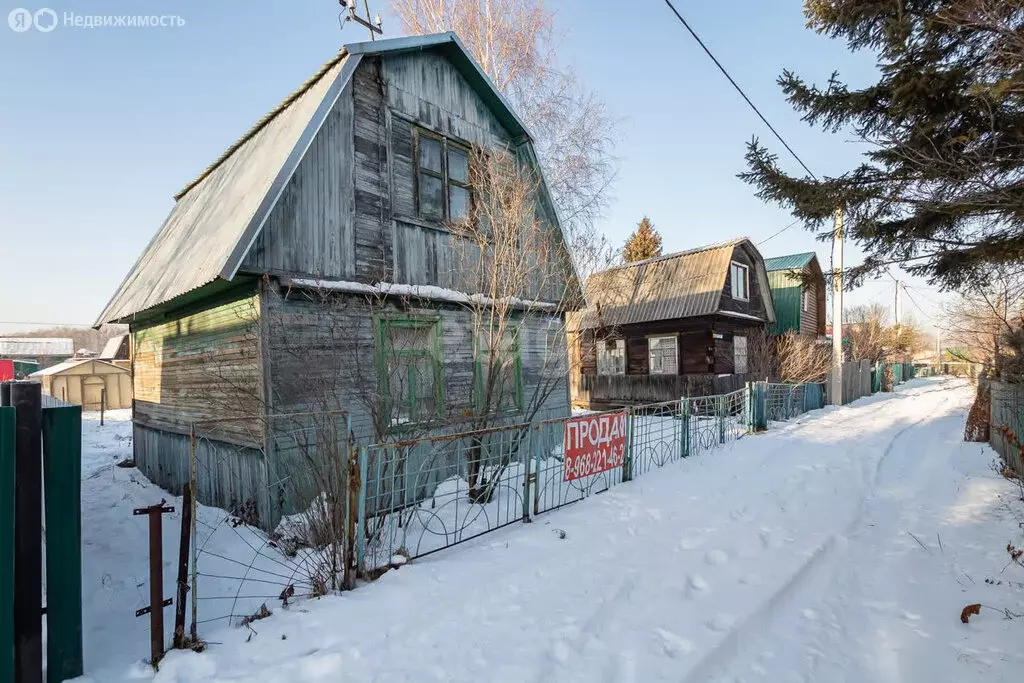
99	127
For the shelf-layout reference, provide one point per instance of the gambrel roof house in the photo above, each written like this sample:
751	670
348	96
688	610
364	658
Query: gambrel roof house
289	269
670	326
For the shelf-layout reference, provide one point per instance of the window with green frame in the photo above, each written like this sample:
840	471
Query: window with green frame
506	390
409	368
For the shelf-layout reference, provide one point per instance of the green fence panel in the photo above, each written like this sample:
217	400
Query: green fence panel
7	421
62	468
759	411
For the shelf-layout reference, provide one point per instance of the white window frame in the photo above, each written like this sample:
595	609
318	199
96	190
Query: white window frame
617	359
734	268
650	354
736	354
806	296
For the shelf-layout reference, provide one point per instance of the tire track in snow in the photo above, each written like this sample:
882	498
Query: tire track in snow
809	572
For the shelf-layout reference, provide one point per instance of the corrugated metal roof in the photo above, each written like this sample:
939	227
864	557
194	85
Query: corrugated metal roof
681	285
219	214
69	364
789	261
13	347
112	346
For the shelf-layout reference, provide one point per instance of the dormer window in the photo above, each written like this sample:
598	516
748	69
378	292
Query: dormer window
740	281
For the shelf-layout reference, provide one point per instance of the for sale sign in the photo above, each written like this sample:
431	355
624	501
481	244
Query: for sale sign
594	444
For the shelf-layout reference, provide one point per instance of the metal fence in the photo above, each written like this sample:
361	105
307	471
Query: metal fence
424	495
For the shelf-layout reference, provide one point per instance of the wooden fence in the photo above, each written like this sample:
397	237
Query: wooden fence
605	391
856	381
1006	423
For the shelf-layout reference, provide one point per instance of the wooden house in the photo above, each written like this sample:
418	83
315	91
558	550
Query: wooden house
117	350
88	382
671	326
290	269
798	291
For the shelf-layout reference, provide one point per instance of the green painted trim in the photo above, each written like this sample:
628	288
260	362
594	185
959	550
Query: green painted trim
382	323
7	429
216	293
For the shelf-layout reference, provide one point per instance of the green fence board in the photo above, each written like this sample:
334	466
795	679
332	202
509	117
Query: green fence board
7	421
62	467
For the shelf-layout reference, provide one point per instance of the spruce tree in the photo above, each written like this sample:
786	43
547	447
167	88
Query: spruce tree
644	243
941	188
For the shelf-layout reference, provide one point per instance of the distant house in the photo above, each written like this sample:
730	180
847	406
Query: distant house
315	262
670	326
117	350
798	290
88	382
43	351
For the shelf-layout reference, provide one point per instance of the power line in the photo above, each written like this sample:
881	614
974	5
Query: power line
738	88
777	233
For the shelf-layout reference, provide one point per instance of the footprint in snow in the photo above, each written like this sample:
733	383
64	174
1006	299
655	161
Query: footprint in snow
673	645
690	543
721	622
716	557
560	652
698	584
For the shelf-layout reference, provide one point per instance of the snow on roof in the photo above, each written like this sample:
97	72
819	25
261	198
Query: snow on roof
69	364
428	292
12	347
112	346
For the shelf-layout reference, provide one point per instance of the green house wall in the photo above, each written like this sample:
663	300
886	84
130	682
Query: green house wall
786	292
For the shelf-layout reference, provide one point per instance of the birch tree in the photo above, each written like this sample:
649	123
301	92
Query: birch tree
515	43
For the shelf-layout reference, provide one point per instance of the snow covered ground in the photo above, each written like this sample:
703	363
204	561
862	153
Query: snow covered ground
839	547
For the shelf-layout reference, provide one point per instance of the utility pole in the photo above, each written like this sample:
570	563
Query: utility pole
898	309
349	12
837	309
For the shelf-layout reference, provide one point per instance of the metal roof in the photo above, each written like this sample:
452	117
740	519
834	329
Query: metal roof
111	348
74	363
685	284
789	261
219	214
13	347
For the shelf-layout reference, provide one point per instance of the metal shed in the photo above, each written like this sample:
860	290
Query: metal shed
89	383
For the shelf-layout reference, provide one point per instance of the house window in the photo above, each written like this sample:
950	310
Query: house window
664	356
740	282
503	362
806	295
739	355
409	369
611	357
442	178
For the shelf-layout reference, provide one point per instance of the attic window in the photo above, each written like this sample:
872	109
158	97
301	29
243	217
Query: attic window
442	177
740	281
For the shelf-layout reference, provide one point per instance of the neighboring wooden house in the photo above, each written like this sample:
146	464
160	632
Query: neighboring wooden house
670	326
289	271
88	382
43	351
117	350
798	291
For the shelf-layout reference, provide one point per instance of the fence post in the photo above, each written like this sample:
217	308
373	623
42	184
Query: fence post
27	399
534	447
760	409
364	466
684	428
62	463
7	471
720	409
627	462
155	610
183	555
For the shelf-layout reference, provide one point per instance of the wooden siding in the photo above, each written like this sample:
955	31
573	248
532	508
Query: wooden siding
310	231
199	366
392	95
321	355
754	305
229	476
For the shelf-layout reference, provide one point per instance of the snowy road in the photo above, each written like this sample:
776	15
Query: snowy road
789	557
